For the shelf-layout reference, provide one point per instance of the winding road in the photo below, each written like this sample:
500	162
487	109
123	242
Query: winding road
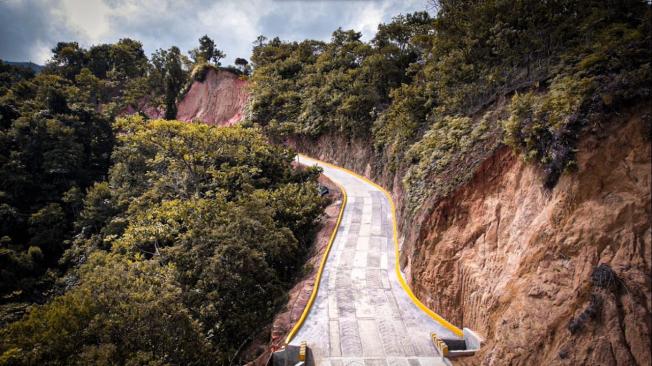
362	315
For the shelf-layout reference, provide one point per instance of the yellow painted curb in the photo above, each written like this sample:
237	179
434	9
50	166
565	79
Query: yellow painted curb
324	258
457	331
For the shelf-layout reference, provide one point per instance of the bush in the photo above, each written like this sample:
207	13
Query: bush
546	127
446	140
200	71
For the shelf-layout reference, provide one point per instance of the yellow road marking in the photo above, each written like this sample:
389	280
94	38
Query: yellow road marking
324	258
457	331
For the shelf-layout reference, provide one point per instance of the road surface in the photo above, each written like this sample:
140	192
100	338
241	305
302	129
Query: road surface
361	315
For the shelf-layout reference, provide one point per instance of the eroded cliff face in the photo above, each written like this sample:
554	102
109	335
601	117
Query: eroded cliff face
514	261
218	100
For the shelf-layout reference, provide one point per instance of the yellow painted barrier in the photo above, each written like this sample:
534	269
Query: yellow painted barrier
315	288
441	346
457	331
302	351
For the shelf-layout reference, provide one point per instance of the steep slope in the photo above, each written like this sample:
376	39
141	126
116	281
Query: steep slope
217	100
520	263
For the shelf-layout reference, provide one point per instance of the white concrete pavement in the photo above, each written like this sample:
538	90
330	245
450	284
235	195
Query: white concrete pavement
362	315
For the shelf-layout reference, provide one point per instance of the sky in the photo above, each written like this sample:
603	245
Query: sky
29	29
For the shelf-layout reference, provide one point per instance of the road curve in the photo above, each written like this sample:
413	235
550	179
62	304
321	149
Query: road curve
361	314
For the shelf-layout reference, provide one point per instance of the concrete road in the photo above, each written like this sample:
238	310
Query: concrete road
362	316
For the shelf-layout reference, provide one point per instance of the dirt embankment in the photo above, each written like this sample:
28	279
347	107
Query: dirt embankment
144	106
520	264
218	100
519	259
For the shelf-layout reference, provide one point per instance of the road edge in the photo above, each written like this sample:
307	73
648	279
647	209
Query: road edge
322	264
438	318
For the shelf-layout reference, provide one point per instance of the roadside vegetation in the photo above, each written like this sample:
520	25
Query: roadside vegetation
182	254
427	89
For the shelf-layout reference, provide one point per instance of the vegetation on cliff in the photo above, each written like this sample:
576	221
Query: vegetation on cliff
420	89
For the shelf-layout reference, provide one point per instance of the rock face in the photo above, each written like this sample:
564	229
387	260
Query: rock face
520	264
219	100
519	258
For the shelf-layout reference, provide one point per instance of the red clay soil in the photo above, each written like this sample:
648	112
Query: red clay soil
144	106
219	100
300	293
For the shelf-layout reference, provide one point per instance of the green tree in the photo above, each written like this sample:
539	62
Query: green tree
174	79
54	144
206	52
243	65
122	312
68	58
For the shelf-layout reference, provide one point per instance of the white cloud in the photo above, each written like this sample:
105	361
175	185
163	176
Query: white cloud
88	17
29	28
368	19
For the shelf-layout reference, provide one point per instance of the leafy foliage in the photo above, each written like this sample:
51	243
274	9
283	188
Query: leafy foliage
441	146
116	77
53	146
122	312
343	83
562	63
214	219
207	52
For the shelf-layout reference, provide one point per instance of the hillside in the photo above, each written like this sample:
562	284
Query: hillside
29	65
521	169
218	99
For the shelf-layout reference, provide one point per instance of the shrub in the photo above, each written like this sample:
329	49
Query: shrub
545	127
446	140
200	71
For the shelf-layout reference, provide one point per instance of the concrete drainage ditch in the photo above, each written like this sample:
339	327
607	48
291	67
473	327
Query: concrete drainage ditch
452	348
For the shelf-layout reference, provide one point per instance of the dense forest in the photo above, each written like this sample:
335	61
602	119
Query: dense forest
146	241
419	90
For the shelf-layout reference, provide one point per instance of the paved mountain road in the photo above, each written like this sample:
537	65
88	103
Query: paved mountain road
362	315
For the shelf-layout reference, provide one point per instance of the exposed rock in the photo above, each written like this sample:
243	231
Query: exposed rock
521	264
219	100
526	266
146	108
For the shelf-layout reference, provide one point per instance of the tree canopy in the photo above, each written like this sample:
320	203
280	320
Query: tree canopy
207	52
198	230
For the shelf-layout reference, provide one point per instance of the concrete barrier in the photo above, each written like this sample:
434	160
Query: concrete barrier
292	356
453	348
439	343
